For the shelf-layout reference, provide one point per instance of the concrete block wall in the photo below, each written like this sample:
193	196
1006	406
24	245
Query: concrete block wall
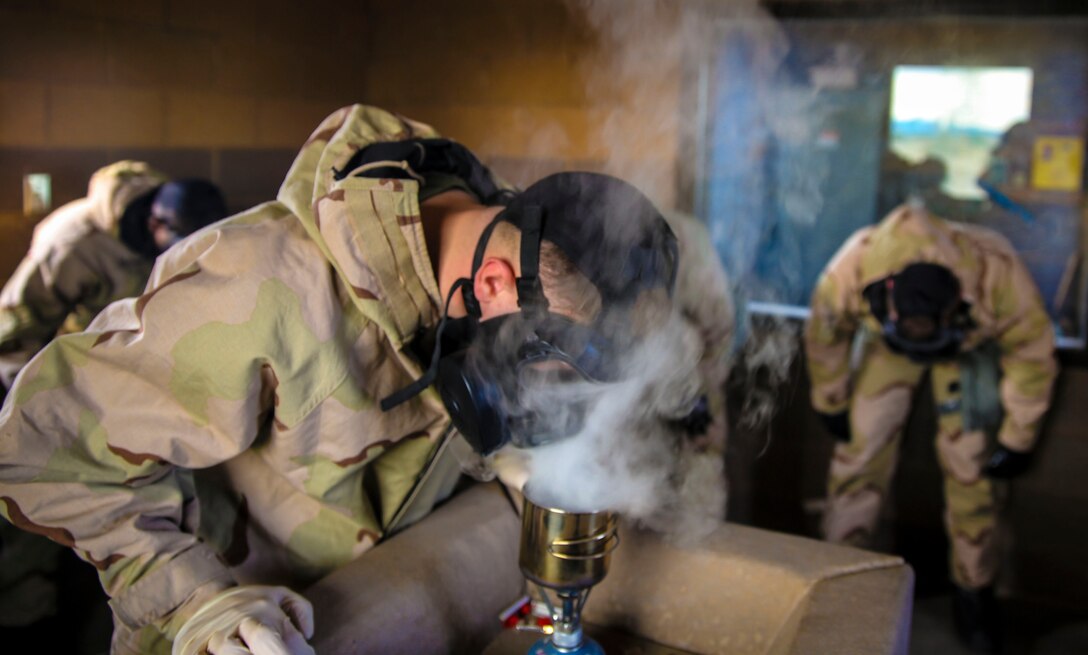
536	86
174	74
229	90
225	90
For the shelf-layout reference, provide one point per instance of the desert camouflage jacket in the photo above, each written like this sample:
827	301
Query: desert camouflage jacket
224	426
75	267
1005	306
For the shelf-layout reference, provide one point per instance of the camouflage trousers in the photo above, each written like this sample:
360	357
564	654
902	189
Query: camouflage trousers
861	470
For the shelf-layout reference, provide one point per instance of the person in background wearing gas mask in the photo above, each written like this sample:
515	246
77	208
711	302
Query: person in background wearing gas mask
267	410
96	250
912	294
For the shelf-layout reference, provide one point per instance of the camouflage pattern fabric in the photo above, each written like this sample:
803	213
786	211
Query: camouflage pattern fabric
1005	306
219	428
862	470
75	267
877	389
223	427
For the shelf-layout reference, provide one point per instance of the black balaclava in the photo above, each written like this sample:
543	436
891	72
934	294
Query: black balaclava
925	290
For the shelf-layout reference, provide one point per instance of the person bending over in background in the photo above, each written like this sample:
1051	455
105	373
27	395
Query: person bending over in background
93	251
83	256
913	294
264	413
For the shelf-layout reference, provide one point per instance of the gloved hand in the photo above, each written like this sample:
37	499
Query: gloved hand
254	619
1006	464
838	425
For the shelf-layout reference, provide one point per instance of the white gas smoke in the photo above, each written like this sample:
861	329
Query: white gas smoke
767	358
650	83
655	80
631	455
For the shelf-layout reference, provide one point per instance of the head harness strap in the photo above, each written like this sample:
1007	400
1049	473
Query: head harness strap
530	292
427	379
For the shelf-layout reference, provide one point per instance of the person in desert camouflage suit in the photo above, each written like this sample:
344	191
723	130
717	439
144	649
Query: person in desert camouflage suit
93	251
221	434
85	255
77	264
911	278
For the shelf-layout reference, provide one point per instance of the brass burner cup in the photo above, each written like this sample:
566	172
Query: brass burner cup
566	551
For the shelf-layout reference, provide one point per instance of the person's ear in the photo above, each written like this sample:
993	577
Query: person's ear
495	286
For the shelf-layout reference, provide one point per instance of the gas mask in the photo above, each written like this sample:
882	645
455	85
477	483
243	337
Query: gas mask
514	380
944	345
507	380
182	207
133	226
931	294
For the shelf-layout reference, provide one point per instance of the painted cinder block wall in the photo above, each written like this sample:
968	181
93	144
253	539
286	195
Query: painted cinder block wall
229	90
224	90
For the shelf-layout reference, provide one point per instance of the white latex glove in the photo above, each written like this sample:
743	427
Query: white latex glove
252	619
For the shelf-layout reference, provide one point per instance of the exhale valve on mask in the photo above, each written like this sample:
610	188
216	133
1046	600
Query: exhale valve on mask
494	393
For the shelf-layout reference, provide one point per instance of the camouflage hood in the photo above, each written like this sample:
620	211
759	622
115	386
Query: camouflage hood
912	235
355	221
113	187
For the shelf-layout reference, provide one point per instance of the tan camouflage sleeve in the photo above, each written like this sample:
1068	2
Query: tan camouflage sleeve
98	435
33	306
16	345
829	331
1026	338
60	293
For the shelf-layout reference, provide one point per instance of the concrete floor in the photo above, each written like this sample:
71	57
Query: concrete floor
1031	629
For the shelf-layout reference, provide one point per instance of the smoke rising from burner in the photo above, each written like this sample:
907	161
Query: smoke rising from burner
631	456
650	85
767	357
655	78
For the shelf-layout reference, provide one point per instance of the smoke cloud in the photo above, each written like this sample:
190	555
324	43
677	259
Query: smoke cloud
651	83
631	456
661	68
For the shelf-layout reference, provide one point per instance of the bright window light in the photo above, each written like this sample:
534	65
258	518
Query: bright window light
957	115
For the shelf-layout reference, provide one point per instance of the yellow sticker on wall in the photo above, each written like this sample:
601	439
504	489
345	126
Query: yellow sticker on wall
1057	163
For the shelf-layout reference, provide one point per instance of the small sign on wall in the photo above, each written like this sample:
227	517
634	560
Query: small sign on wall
1057	163
37	194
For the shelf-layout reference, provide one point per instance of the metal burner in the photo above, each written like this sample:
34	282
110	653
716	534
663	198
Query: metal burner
565	554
